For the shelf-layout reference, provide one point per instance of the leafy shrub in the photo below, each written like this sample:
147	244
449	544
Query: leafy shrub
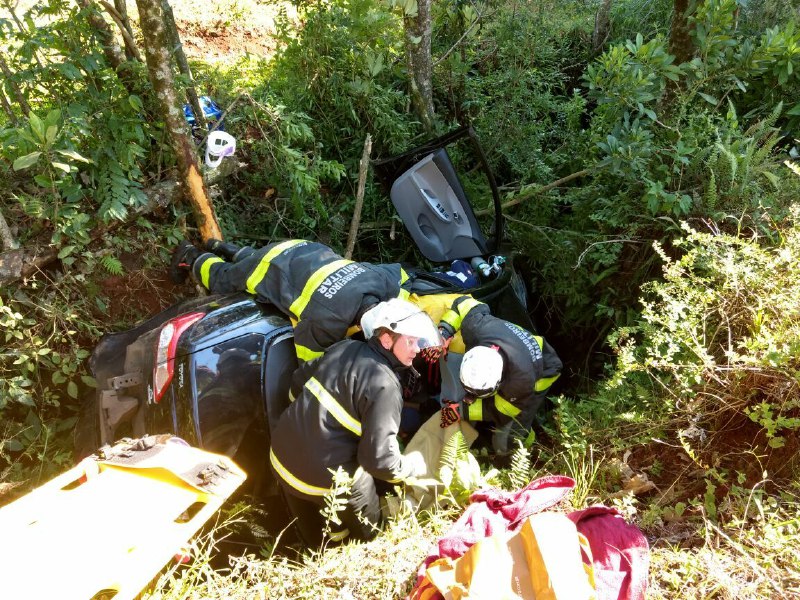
716	345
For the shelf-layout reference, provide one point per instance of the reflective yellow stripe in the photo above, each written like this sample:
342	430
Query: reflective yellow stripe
332	406
475	410
306	354
261	270
352	330
539	340
299	305
205	268
300	486
545	382
467	305
404	294
454	316
403	276
505	407
338	536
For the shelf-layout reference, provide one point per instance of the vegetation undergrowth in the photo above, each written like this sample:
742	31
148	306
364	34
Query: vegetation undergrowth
653	200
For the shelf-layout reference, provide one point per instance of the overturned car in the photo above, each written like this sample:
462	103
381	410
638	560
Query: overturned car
216	370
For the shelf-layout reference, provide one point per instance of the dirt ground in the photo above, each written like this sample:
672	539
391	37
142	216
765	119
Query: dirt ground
211	30
221	30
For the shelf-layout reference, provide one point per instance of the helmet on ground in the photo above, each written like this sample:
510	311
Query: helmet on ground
481	371
403	318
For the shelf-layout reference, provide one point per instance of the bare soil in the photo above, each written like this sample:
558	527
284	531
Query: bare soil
225	30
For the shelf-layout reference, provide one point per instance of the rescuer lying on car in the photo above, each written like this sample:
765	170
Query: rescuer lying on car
322	293
505	371
348	415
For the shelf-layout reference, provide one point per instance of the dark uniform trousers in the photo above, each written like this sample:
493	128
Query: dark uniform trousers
322	293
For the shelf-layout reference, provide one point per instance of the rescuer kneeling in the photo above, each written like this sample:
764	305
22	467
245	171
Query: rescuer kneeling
348	415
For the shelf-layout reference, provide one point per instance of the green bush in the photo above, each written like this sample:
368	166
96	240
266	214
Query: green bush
716	345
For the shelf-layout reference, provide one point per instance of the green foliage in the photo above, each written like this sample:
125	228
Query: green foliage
716	340
519	474
336	499
460	471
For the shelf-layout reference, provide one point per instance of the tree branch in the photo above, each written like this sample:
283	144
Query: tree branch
526	195
130	45
24	262
363	168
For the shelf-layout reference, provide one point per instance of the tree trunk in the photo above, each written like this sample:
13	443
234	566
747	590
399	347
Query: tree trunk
680	40
174	40
131	53
602	27
122	9
158	65
7	108
418	30
13	87
111	50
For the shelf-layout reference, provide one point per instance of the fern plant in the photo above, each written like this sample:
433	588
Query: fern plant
460	472
519	474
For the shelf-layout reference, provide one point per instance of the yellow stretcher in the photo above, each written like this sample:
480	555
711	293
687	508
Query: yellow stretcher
105	528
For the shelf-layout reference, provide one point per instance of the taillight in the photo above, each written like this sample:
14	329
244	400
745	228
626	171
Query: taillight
165	351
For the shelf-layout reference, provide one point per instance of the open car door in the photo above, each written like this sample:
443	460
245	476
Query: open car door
428	195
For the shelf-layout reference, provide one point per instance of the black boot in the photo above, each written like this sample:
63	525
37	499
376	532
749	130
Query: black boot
182	260
228	250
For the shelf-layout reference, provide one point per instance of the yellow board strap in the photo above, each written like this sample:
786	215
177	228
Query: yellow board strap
261	270
299	305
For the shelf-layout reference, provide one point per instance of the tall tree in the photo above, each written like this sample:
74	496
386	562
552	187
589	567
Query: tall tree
418	31
680	39
157	55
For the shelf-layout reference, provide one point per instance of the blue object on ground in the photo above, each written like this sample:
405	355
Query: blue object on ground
211	112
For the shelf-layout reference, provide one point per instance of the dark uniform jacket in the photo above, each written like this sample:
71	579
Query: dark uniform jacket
348	415
323	293
530	365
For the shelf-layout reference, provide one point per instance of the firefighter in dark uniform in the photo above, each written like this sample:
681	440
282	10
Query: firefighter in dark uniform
506	370
347	415
322	293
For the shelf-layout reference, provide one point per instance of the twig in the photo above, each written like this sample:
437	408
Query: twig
363	168
593	244
477	20
523	196
126	36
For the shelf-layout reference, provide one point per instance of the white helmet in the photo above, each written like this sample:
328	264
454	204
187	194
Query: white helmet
404	318
481	371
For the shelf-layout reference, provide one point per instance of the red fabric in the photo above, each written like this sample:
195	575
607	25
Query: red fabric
620	553
493	511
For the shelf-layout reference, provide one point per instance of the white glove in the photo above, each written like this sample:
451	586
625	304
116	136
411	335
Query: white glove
417	463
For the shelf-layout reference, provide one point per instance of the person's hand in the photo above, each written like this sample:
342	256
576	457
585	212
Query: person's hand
433	353
417	463
449	414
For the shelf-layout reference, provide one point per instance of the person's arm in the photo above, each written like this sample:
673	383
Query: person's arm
378	449
452	319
